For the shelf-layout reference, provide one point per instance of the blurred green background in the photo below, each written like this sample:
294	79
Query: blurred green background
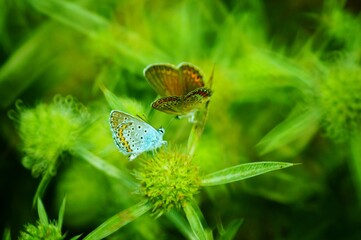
287	86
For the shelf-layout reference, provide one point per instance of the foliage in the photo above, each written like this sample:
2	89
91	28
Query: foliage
286	90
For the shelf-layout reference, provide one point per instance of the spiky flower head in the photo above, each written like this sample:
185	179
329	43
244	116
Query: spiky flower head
48	130
45	229
41	232
168	180
340	101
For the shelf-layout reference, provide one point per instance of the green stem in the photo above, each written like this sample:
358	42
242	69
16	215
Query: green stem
45	180
355	162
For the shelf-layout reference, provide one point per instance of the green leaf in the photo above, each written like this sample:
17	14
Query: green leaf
72	15
201	117
27	63
61	214
43	217
230	232
241	172
197	129
106	168
76	237
181	224
7	234
101	29
294	127
128	105
119	220
196	221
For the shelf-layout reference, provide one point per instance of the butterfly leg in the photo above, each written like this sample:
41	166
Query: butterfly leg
154	151
133	156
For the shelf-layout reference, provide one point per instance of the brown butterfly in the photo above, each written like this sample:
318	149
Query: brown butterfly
181	88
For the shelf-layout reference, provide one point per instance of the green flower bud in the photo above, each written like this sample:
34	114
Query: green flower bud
41	232
340	100
168	180
48	130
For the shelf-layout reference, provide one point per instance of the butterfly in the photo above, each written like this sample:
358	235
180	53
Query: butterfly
181	88
133	136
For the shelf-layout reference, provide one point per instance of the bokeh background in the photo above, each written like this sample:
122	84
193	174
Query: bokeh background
287	86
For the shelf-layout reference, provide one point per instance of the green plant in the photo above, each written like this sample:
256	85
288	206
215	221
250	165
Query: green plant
285	89
45	229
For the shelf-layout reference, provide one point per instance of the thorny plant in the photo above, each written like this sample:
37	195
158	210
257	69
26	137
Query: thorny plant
166	182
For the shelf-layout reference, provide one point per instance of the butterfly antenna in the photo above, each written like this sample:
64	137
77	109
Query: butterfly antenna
143	117
169	123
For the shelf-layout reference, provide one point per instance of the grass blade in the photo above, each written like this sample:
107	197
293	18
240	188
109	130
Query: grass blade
72	15
241	172
119	220
291	129
196	221
61	214
43	217
106	168
231	230
181	224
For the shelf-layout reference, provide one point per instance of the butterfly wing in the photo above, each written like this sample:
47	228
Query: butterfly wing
191	77
164	79
196	99
183	105
132	135
170	105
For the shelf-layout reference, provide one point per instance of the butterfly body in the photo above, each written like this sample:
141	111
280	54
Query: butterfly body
133	136
181	88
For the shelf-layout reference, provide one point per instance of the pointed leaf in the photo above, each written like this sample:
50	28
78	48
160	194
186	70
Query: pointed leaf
201	117
106	167
230	232
197	129
181	224
196	221
23	67
76	237
241	172
129	105
291	129
61	214
7	234
43	217
72	15
119	220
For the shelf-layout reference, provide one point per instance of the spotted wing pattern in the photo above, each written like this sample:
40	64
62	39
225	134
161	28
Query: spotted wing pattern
185	104
171	105
195	99
133	136
181	88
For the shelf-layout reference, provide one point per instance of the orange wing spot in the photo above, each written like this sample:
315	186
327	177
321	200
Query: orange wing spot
122	138
197	79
